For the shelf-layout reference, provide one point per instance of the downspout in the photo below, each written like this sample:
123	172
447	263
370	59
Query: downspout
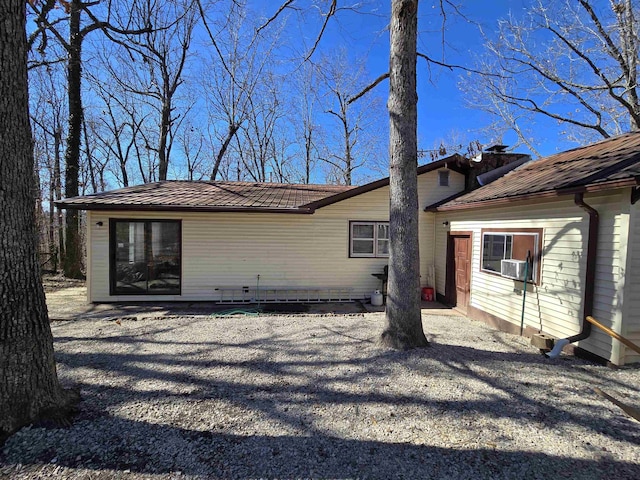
590	277
433	255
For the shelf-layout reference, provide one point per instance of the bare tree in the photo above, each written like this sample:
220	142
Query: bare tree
304	119
257	142
403	328
29	385
92	171
192	143
238	68
339	80
403	319
569	61
72	44
117	129
160	57
355	122
49	108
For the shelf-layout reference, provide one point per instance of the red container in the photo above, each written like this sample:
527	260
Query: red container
427	294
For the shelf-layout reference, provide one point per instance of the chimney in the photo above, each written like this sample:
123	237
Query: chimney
493	158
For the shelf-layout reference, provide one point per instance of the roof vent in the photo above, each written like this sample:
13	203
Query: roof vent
497	148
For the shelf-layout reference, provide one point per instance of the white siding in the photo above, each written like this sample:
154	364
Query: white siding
232	249
429	192
556	305
631	327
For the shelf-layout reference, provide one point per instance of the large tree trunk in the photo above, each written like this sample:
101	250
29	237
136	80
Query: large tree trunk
629	41
73	249
403	328
28	380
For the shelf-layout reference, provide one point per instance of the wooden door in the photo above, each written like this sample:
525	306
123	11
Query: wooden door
459	271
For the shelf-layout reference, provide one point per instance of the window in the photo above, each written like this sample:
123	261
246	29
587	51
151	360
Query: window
511	244
496	247
369	239
145	257
443	178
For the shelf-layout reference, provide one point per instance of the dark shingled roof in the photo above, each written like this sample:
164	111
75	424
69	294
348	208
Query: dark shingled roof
207	196
611	163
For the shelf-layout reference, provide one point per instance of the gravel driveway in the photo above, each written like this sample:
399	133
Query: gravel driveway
314	397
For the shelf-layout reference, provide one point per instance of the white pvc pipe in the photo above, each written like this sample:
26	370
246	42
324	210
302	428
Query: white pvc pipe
557	348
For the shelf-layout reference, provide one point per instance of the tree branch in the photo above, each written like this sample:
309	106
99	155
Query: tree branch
283	7
330	13
458	67
368	88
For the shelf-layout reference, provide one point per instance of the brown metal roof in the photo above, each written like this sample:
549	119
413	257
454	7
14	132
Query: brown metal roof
183	195
611	163
207	196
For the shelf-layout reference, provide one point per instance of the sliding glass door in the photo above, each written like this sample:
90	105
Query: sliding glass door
145	257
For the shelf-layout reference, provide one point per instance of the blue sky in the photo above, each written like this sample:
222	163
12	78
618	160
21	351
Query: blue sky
443	114
443	111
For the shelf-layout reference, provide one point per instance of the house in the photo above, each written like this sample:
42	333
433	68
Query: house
242	241
569	222
577	215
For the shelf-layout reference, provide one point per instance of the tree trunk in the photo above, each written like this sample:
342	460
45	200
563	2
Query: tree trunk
403	329
348	161
28	383
630	49
163	156
53	250
90	163
308	134
57	185
233	128
73	250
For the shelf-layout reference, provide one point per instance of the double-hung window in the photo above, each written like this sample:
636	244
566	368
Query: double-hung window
369	239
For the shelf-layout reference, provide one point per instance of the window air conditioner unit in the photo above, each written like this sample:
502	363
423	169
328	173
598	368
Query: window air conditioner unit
513	269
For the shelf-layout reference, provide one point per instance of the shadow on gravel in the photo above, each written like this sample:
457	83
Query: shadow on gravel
163	449
284	390
280	379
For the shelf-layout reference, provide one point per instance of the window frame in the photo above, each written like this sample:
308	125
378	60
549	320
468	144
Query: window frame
444	177
113	250
375	239
515	232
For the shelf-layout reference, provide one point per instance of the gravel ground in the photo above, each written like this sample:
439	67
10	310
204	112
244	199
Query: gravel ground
314	397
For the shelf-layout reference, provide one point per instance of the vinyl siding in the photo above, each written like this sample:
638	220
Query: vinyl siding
556	305
429	192
631	325
232	249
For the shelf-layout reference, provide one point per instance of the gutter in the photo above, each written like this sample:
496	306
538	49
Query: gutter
178	208
590	277
508	200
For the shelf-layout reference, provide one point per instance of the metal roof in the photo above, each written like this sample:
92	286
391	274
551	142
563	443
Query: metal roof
610	163
184	195
206	196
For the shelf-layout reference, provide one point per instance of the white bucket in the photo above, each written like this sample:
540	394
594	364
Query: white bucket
376	298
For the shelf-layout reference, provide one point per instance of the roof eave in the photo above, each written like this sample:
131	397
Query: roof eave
495	202
452	162
177	208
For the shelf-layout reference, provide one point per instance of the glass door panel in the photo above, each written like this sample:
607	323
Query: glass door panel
164	258
130	258
146	257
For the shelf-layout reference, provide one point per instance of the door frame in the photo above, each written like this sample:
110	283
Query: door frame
450	283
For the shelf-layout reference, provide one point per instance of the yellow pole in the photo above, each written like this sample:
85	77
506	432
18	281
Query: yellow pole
615	335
